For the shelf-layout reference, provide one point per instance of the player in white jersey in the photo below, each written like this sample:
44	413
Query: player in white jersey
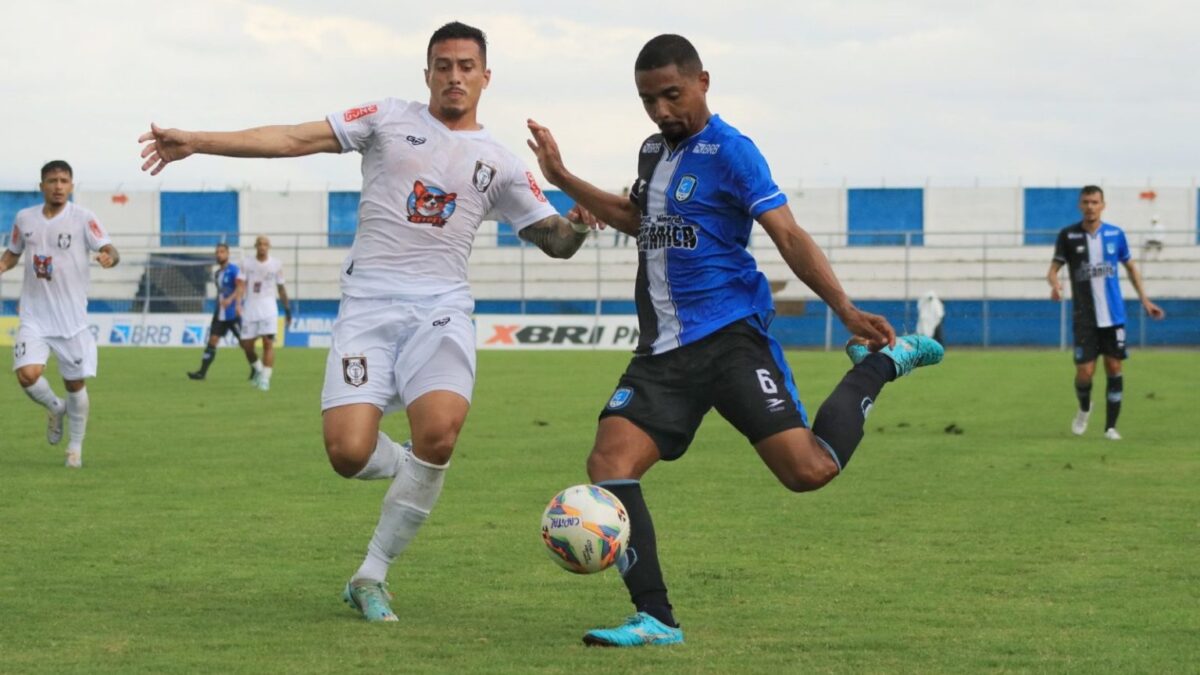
258	280
58	236
403	336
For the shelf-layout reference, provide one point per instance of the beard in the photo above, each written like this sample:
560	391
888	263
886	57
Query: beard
673	132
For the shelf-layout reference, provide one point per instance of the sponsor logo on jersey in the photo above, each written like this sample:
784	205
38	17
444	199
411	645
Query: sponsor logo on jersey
354	370
1079	249
1104	269
620	398
534	188
415	140
64	240
97	231
431	205
703	148
43	266
442	321
685	188
16	236
1074	235
651	147
482	178
666	231
355	113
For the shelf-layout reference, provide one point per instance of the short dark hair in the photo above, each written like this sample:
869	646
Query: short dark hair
456	30
1092	190
57	165
668	49
222	245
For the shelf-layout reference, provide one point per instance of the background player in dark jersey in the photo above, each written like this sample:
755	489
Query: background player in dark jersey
225	316
1091	250
703	312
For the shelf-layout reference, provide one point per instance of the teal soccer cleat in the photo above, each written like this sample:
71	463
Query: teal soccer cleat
638	630
911	351
371	598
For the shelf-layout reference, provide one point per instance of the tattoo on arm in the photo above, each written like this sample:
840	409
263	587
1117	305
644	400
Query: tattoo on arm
555	236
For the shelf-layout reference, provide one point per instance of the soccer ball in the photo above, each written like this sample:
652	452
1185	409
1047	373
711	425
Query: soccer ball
585	529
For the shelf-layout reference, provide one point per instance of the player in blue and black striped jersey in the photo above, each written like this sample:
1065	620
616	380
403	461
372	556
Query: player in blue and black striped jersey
226	316
703	312
1091	249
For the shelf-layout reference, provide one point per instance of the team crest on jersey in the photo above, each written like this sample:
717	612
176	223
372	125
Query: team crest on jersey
483	176
43	266
64	240
354	370
1110	247
430	205
685	188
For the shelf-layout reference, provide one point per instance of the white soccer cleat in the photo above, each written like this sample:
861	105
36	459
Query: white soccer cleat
1112	435
54	426
263	384
74	458
1079	424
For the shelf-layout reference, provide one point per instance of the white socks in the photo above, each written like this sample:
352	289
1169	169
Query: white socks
408	502
265	373
385	461
43	395
77	412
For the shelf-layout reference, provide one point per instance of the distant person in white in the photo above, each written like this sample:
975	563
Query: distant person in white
930	313
403	337
1156	237
58	235
258	280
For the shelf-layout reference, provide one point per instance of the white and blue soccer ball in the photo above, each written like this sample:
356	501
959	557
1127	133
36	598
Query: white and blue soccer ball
585	529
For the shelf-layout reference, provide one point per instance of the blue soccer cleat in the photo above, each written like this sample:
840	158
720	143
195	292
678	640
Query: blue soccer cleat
371	599
911	351
638	630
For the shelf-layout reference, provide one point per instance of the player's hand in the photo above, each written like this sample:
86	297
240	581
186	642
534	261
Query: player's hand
581	216
1055	292
546	148
106	261
163	146
872	328
1154	310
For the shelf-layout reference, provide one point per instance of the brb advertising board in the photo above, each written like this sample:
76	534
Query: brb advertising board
155	330
555	331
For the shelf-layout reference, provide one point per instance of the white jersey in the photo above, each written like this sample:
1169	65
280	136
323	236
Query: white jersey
425	191
54	293
261	278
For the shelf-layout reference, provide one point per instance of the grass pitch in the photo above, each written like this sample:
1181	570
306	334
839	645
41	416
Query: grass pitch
971	533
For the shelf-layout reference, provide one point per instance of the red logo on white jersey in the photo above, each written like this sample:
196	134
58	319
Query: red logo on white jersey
355	113
16	237
97	231
430	205
533	187
43	266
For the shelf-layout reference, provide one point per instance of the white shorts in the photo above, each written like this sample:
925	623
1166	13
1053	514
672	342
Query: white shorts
390	351
76	355
256	328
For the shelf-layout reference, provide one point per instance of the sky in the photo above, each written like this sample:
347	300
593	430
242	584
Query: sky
861	92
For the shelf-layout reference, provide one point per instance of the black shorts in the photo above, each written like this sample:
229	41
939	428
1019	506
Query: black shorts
739	369
1090	342
221	328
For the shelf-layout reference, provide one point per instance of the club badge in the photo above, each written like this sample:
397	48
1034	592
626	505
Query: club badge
484	174
354	370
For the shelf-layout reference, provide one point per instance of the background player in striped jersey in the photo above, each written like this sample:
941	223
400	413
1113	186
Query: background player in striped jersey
258	281
1091	249
403	337
703	314
58	235
226	315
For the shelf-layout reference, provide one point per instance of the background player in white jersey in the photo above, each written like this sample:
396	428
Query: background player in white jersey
58	236
259	279
403	336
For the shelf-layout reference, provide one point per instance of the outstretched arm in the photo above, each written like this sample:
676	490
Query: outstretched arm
608	208
1135	277
810	265
163	146
560	237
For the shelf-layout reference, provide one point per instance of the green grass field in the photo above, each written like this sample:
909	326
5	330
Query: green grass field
206	532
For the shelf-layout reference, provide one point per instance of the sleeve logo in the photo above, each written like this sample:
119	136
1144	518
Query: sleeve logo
97	231
533	187
355	113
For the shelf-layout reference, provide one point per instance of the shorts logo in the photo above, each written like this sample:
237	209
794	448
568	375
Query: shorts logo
484	173
354	370
43	266
620	398
415	140
533	187
355	113
442	321
18	350
1079	353
430	205
1120	338
775	405
866	405
687	185
64	240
